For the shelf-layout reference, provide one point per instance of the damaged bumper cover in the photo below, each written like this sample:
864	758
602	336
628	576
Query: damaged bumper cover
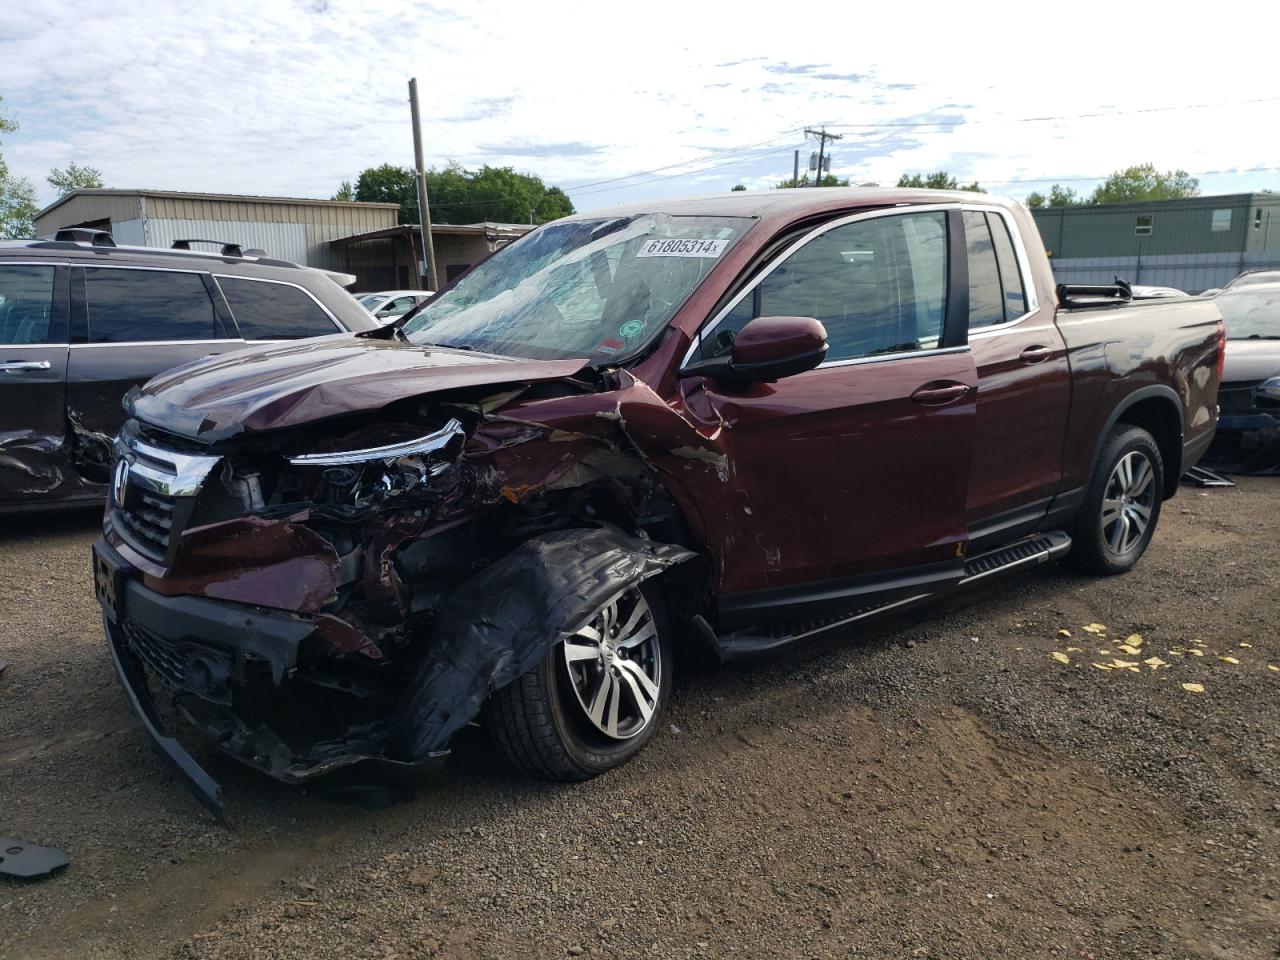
195	654
191	653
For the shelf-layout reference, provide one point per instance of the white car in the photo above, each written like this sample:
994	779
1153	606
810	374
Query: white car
389	304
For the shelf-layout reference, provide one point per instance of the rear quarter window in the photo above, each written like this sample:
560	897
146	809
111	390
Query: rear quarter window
266	310
129	306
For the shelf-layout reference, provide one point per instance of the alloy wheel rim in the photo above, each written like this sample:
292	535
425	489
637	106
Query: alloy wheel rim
615	666
1128	502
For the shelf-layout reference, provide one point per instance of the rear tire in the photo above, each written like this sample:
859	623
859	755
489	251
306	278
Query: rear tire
543	724
1122	505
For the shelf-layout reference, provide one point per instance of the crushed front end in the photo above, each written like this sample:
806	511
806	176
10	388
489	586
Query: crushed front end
279	592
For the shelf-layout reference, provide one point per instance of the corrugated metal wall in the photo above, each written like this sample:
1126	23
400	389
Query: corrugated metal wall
1190	272
297	230
285	241
1225	224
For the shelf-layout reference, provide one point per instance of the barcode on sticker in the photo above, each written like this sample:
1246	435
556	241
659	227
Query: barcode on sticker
682	248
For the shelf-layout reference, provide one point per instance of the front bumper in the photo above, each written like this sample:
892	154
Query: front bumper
197	652
1247	442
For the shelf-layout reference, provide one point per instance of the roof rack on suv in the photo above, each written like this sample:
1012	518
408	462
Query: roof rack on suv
89	235
228	249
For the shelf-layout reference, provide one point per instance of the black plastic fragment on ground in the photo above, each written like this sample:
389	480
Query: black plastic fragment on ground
29	861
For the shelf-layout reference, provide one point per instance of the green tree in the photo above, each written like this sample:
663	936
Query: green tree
74	177
466	196
1059	196
829	180
17	196
389	184
1145	182
345	192
939	180
738	187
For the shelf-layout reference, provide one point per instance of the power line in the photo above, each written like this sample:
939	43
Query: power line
1194	173
1073	116
683	163
688	173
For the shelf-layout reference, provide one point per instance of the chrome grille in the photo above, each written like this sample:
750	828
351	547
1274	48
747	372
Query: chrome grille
146	521
153	493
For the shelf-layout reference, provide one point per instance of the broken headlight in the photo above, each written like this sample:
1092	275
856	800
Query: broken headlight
371	474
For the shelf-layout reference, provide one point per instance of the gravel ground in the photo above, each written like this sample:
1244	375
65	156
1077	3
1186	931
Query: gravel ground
943	787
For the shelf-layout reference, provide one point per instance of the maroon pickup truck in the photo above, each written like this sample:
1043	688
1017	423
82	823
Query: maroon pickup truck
727	423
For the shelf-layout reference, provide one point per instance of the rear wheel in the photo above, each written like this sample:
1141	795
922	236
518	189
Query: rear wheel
596	699
1122	505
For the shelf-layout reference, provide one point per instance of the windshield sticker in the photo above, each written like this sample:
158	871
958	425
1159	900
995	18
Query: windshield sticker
709	248
631	329
610	346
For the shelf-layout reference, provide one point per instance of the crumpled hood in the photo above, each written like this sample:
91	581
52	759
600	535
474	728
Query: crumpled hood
1250	360
276	387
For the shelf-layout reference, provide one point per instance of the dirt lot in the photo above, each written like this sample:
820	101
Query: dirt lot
943	788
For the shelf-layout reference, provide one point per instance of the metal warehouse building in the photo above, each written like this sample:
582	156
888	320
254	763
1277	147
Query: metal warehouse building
360	238
1190	244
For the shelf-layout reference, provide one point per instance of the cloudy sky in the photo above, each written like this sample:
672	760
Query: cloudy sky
620	101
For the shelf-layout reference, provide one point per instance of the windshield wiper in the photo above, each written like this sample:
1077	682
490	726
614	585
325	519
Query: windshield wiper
448	346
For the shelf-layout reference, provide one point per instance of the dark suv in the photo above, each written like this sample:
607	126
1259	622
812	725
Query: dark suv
83	321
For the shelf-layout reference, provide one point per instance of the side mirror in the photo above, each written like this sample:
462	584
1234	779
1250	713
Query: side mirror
768	349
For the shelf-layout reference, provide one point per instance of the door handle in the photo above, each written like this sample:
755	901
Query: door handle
17	366
1036	353
939	392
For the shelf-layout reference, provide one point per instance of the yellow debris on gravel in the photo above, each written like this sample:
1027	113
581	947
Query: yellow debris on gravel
1134	639
1123	664
1193	687
1074	650
1129	649
1155	663
1064	633
1228	659
1196	653
1102	666
1060	656
1097	629
1247	646
1272	667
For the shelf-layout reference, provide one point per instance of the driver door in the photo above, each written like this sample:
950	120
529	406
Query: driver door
858	468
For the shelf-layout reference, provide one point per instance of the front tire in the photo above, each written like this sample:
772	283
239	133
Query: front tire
1122	505
596	699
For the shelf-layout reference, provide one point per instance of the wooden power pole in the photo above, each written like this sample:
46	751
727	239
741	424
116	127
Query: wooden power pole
424	209
823	137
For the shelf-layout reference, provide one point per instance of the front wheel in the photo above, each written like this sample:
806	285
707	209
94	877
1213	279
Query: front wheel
1122	505
597	697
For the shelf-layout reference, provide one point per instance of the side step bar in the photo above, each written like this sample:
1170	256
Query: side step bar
1039	548
757	641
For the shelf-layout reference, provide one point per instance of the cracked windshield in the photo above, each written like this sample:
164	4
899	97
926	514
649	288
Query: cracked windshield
594	288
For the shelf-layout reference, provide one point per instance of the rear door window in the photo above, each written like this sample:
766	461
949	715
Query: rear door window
26	304
986	295
1015	295
266	310
131	306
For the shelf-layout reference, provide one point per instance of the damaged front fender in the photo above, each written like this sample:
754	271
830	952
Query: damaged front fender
500	623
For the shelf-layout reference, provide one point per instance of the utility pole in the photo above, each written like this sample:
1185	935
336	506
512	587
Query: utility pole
424	210
795	171
823	137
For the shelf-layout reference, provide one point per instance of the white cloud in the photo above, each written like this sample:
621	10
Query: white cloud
278	97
